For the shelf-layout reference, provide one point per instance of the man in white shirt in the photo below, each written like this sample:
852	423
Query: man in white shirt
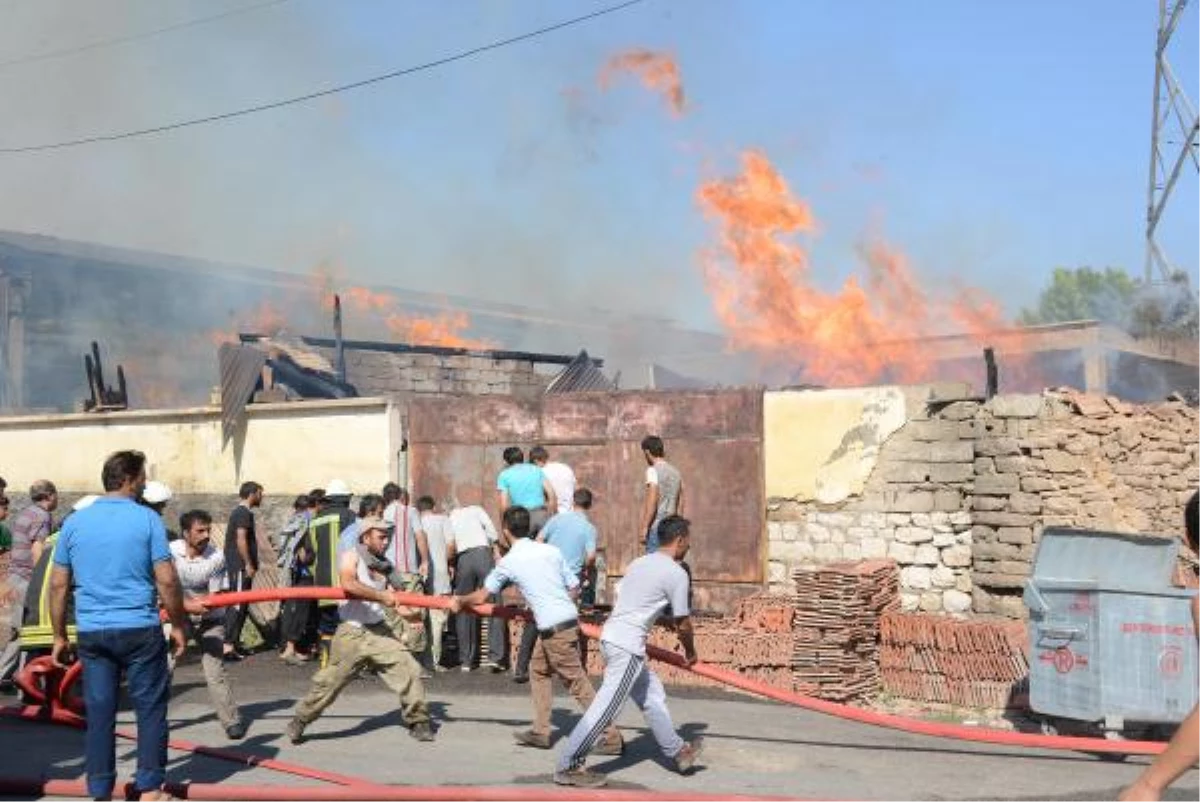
559	475
440	539
651	584
473	553
201	569
548	585
364	640
409	550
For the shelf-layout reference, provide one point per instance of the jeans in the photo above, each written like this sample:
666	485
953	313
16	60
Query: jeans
11	656
141	655
235	615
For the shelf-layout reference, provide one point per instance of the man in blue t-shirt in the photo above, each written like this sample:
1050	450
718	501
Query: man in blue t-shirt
522	484
115	554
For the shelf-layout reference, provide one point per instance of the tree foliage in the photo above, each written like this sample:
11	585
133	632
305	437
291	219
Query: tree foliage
1084	294
1112	296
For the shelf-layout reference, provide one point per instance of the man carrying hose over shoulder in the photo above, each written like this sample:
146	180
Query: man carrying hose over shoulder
651	584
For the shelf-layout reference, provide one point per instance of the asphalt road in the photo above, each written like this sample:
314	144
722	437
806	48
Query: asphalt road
751	747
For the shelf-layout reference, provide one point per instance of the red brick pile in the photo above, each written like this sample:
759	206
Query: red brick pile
967	663
835	653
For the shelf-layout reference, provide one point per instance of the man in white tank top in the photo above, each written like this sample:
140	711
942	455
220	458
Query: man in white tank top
364	640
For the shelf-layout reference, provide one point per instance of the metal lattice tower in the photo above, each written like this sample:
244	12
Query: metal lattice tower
1173	139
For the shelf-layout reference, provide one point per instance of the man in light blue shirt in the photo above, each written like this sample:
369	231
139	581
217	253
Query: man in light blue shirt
522	484
548	585
573	533
115	554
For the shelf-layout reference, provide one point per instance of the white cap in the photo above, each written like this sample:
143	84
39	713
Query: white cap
84	502
156	493
338	488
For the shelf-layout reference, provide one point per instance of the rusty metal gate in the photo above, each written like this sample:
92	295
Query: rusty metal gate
713	437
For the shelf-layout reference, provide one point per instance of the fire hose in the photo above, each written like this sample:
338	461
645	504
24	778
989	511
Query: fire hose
54	703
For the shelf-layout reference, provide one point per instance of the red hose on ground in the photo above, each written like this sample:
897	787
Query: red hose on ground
32	787
67	718
936	730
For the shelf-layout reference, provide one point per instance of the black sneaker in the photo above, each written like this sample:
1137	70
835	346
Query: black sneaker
520	679
422	732
236	731
8	688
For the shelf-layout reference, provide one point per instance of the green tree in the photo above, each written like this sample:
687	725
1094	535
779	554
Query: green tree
1084	294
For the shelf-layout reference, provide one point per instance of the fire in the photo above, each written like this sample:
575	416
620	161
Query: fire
657	71
444	330
759	277
266	318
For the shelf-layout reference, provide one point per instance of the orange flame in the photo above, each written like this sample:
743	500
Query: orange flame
657	71
759	279
445	330
262	319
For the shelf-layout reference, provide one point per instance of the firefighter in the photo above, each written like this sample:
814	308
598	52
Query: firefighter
320	551
37	636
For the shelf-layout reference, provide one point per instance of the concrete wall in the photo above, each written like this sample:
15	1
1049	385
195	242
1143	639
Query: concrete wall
289	448
959	493
398	375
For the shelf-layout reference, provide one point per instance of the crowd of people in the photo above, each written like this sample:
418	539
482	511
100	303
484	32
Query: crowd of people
99	584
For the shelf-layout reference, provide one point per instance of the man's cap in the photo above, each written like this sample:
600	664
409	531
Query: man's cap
338	488
371	522
84	502
156	493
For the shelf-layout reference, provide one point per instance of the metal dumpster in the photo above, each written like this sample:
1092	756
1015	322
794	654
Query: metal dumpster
1112	641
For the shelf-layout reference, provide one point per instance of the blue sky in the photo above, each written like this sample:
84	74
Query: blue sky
990	141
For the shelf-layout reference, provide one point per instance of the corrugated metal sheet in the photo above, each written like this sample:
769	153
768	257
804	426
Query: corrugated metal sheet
241	367
582	374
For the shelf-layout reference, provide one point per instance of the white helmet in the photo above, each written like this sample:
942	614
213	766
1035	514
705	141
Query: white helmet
84	502
338	488
156	493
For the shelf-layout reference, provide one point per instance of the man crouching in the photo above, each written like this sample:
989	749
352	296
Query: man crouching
364	640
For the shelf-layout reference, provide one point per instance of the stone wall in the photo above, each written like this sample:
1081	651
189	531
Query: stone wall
913	508
959	495
403	375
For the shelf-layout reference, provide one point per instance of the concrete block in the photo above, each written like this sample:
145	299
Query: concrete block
997	446
926	554
913	501
901	451
999	485
956	556
1016	406
1011	464
1025	502
1016	535
1060	462
915	577
1037	484
902	472
932	430
960	411
1004	519
952	451
956	602
989	503
951	472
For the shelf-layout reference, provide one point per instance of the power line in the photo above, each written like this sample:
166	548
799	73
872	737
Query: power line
428	65
133	37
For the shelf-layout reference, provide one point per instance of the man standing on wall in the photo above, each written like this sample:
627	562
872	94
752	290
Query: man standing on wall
664	491
241	561
116	556
30	528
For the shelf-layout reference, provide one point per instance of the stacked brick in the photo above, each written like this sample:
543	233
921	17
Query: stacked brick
392	374
836	627
951	661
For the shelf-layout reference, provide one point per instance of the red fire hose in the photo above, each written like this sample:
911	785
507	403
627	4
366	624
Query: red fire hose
57	707
735	680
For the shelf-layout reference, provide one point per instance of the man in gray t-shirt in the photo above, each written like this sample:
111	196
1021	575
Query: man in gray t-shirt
664	490
651	584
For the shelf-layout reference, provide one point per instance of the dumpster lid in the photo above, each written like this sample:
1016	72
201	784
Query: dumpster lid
1110	560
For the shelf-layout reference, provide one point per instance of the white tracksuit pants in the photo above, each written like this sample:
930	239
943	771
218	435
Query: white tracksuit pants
625	675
